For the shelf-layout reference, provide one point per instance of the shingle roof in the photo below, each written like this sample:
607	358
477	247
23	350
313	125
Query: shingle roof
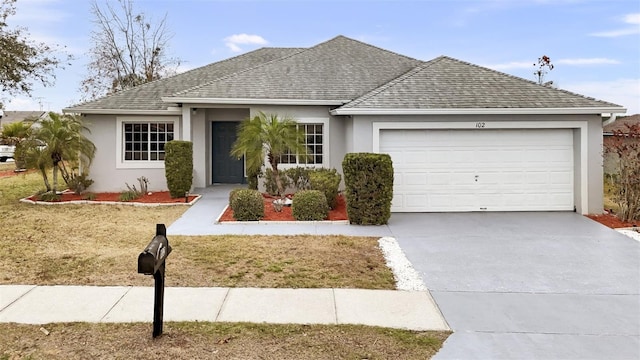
148	96
344	70
9	117
447	83
339	69
621	124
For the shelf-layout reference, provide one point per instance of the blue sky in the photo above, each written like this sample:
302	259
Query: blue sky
594	44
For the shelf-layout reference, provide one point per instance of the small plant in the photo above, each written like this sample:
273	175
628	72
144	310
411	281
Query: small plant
310	205
79	182
298	178
48	196
271	185
144	185
89	196
128	195
247	205
327	181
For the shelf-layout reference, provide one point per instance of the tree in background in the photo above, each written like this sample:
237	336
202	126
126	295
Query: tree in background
544	63
268	135
626	145
22	61
128	50
17	134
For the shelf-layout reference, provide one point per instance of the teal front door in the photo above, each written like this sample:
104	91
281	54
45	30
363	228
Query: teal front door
225	169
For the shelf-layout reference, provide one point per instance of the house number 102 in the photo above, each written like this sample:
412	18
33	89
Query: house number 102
480	125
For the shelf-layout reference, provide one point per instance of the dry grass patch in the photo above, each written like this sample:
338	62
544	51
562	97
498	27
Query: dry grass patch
279	261
216	341
99	245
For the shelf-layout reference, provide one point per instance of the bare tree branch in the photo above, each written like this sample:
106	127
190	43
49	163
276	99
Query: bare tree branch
128	50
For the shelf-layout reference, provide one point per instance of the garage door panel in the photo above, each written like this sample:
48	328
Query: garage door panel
493	170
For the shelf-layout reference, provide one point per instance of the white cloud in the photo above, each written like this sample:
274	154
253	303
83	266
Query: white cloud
632	19
233	41
625	92
588	61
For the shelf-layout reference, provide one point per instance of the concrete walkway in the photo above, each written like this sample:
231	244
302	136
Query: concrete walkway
29	304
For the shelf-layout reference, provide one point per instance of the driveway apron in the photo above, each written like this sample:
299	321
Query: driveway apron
550	285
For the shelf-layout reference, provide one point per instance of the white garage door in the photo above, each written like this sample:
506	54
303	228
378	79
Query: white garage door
480	170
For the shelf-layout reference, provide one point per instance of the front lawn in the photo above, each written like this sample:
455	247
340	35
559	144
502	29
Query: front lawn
216	341
99	245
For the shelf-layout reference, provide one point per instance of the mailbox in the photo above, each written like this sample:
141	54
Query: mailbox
151	261
152	258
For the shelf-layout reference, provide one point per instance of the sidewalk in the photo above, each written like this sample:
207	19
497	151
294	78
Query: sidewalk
31	304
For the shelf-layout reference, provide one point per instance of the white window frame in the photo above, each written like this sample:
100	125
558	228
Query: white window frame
325	144
141	164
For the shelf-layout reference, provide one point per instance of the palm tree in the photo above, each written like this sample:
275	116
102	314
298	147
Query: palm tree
268	135
61	139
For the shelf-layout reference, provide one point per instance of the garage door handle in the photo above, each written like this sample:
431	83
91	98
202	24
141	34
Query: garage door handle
476	178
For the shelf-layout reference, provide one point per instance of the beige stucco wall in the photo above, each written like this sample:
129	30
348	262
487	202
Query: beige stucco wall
104	171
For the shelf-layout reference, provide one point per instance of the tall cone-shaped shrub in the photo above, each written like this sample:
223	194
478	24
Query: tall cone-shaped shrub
368	179
178	167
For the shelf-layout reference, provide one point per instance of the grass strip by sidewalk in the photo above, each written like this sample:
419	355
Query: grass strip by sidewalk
216	341
99	245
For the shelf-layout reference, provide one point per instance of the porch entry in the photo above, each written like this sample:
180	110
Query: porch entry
225	169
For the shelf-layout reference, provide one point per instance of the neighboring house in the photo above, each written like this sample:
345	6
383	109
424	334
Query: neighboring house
462	137
8	117
609	131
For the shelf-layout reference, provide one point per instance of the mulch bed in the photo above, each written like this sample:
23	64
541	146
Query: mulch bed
339	213
11	172
158	197
612	221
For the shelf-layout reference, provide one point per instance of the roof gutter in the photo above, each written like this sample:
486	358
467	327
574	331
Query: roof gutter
251	101
168	111
480	111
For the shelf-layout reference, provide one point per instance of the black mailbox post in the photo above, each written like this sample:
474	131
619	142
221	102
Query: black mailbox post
152	262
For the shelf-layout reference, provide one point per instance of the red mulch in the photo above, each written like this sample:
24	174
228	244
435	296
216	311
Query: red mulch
157	197
11	172
339	213
612	221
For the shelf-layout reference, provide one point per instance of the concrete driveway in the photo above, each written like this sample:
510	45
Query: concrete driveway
528	285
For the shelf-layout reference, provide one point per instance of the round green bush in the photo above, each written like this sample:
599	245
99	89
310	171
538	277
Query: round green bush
247	205
327	181
310	205
368	182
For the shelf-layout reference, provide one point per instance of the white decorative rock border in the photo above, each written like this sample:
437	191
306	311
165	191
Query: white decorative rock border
91	202
407	278
632	232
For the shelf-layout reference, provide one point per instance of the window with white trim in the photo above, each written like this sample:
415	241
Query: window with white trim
144	141
314	141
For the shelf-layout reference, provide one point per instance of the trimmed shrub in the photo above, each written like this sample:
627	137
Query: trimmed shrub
178	167
233	194
309	205
327	181
247	205
368	179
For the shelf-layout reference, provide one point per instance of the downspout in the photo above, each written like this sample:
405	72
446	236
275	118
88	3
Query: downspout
610	120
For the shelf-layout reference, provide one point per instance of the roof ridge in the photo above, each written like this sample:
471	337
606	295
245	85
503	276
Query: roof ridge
154	82
372	46
526	80
423	65
300	50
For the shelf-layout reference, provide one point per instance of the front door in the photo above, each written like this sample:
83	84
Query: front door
226	169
